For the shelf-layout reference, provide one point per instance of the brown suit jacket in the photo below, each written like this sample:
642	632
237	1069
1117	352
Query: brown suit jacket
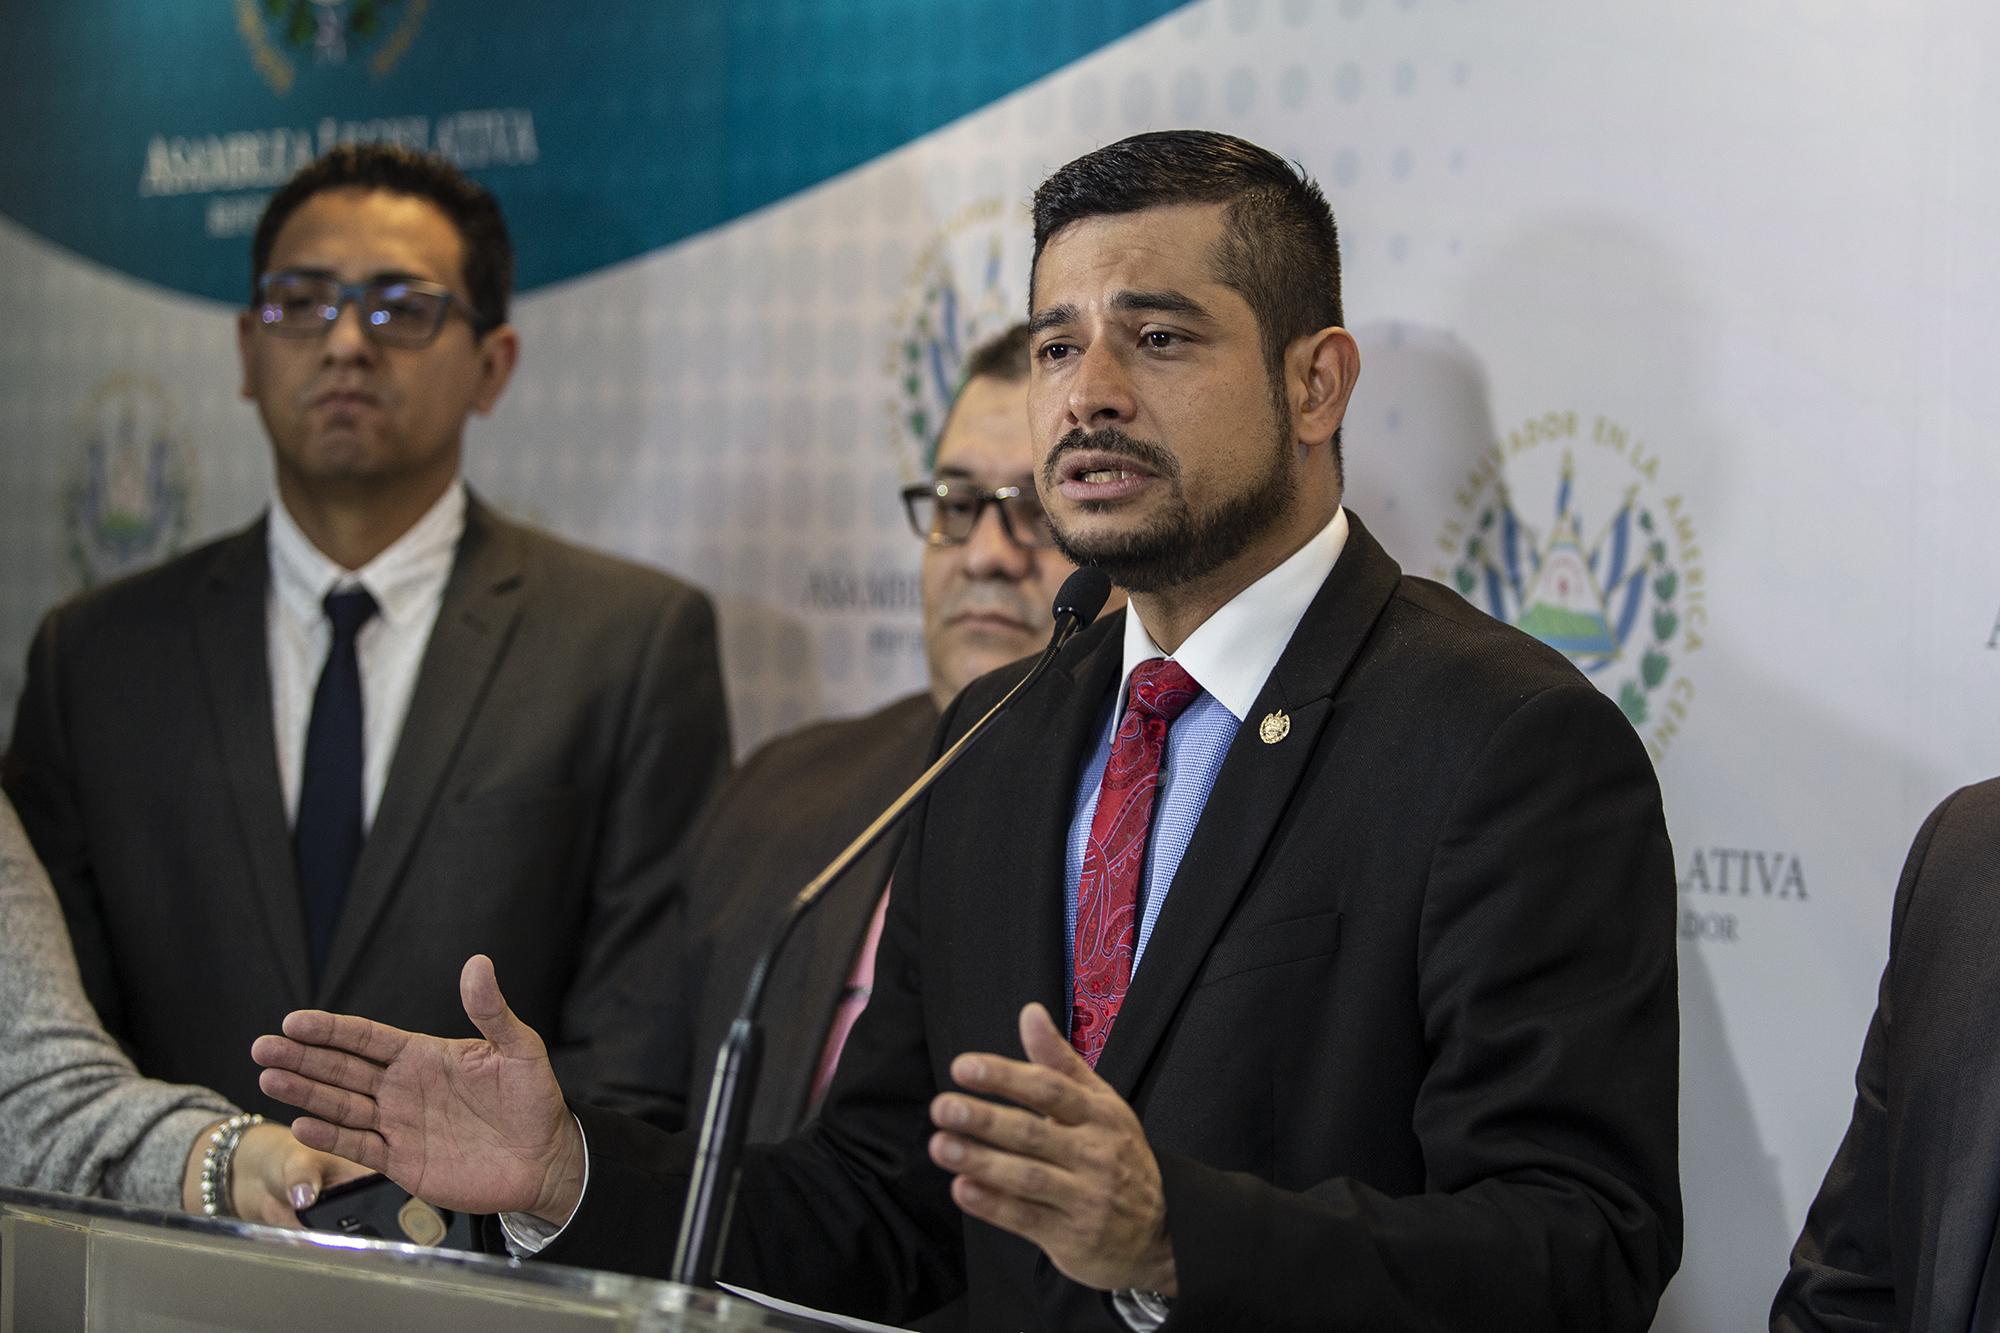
566	723
790	808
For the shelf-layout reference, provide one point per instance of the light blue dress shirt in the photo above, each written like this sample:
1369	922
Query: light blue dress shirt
1230	655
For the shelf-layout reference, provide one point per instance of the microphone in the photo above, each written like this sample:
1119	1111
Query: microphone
712	1187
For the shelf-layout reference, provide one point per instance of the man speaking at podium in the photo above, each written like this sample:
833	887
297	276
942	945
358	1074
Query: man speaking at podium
1334	920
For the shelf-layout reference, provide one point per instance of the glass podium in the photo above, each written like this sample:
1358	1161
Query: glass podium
69	1264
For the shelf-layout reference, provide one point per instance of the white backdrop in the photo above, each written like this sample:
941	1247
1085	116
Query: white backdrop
1724	266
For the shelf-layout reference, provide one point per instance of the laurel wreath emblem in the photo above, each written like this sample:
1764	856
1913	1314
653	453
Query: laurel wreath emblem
1615	603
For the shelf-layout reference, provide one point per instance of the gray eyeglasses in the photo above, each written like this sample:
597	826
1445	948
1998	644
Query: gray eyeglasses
402	312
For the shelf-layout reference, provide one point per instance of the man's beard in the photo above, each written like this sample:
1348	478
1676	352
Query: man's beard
1179	546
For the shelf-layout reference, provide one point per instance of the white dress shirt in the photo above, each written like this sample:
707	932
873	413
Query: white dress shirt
1232	653
407	582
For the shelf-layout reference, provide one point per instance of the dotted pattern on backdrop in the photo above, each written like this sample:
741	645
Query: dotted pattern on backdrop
724	408
753	366
728	409
84	353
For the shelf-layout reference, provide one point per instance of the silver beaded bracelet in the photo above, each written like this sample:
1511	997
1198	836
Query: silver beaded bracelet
219	1159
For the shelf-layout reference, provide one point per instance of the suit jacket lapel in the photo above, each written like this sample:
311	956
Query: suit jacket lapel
474	625
1008	911
229	629
1251	796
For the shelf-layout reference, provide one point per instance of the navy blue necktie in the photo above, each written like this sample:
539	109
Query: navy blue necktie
327	836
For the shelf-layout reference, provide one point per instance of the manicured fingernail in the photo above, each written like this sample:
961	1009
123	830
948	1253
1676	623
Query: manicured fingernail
951	1113
969	1071
949	1150
302	1196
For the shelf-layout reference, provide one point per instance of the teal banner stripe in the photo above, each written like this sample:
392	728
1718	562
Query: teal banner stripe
145	136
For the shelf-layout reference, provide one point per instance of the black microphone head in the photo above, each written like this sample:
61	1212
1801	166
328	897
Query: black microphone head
1082	595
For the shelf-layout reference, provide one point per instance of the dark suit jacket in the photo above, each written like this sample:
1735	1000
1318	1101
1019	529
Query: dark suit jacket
1404	1039
1901	1235
770	828
566	722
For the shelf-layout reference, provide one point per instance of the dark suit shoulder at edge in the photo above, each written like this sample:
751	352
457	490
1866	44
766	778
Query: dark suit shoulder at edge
1977	803
1955	846
145	587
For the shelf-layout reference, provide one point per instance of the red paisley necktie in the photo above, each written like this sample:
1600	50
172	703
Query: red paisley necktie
1107	890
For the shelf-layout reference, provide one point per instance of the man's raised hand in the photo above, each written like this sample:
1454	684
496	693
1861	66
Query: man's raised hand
473	1125
1066	1167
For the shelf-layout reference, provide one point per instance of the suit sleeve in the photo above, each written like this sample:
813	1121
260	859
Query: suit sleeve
41	782
1547	1118
1842	1275
672	749
850	1213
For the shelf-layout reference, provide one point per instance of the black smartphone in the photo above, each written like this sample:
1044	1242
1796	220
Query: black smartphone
380	1209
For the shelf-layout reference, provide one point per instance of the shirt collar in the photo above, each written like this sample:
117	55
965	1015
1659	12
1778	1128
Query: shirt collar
402	578
1231	654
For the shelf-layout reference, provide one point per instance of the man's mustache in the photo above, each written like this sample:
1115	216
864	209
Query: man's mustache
1111	440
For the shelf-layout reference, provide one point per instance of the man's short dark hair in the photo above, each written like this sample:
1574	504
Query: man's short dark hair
472	210
1279	250
1004	356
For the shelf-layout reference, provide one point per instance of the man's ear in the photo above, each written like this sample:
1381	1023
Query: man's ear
499	351
1320	370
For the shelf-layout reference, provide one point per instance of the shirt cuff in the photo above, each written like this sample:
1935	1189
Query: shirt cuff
1142	1311
527	1235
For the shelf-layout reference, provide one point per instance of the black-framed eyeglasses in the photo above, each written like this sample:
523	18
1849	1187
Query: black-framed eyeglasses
403	312
944	512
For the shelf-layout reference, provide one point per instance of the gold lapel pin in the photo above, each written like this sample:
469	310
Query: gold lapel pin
1275	727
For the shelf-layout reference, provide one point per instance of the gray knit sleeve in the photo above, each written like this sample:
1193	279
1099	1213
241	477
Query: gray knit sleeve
75	1116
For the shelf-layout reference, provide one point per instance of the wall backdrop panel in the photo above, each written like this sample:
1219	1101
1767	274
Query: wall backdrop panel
1677	324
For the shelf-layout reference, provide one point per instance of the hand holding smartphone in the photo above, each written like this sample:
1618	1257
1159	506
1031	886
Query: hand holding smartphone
380	1209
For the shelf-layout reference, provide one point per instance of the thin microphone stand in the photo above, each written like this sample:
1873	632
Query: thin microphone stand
712	1187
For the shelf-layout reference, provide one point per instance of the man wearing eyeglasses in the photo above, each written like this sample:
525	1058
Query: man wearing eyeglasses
325	757
990	567
990	570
